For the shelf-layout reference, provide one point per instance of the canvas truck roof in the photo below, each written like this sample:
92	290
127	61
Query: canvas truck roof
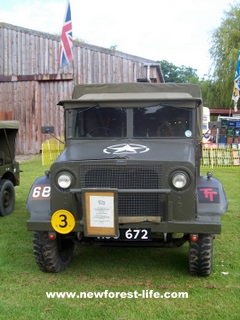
9	124
192	89
130	93
133	96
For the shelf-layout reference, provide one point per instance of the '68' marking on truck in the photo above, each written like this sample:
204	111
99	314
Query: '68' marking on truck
41	192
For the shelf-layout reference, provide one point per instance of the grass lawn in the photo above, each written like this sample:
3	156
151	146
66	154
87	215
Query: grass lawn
23	286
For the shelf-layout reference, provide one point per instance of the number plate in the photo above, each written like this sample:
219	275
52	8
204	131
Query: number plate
135	234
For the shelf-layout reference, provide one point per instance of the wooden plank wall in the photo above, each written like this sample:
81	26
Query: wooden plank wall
31	84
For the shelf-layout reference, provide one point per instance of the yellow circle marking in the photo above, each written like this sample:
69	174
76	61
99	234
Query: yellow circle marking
63	221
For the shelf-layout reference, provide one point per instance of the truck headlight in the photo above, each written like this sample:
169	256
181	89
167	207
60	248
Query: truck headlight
64	180
179	180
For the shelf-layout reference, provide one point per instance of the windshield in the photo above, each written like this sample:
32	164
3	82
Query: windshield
162	121
98	122
145	122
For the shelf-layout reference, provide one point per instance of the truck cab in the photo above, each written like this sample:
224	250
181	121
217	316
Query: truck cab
9	167
129	176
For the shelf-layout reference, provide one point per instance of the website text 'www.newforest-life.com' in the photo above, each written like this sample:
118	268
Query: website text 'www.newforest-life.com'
143	294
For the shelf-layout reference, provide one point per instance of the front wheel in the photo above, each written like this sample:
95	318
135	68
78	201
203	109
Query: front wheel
201	255
7	197
52	255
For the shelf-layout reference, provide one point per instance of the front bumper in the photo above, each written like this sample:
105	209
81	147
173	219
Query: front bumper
197	226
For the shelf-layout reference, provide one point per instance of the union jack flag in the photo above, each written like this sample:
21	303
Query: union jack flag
65	52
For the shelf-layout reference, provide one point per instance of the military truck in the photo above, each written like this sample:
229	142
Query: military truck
129	176
9	168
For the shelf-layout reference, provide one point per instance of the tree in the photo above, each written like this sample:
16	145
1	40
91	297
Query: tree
224	53
177	74
209	90
217	89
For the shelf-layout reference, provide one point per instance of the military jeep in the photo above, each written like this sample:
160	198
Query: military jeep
129	176
9	168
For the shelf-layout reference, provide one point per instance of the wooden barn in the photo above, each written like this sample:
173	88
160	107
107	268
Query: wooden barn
31	84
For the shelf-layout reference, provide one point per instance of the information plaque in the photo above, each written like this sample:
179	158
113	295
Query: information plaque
100	213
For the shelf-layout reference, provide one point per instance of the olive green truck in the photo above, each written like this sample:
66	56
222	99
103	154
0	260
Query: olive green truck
9	167
129	176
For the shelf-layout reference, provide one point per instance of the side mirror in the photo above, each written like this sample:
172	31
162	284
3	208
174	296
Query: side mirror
47	129
50	130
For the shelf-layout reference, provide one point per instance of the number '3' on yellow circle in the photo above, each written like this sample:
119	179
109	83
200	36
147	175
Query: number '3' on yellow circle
63	221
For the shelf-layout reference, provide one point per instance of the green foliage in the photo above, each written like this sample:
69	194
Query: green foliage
23	286
217	88
177	74
113	48
184	74
209	92
224	53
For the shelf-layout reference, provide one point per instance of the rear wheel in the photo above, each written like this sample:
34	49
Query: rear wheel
52	255
7	197
201	255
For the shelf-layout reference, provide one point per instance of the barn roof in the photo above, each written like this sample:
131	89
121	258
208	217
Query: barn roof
31	83
78	43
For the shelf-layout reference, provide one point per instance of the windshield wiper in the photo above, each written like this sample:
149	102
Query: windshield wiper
82	110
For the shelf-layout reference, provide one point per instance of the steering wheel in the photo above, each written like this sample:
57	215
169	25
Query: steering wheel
101	131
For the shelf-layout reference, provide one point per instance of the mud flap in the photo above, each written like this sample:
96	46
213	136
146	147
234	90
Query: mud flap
38	203
212	201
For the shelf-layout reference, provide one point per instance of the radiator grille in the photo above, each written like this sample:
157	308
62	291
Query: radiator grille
137	176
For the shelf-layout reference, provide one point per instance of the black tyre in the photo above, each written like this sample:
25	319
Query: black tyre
201	255
52	255
7	197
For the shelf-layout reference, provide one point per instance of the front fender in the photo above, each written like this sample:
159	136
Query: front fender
38	203
212	200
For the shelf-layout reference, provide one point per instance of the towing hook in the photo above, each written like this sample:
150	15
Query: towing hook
209	175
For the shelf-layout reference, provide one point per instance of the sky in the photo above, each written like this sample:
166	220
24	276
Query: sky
179	31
